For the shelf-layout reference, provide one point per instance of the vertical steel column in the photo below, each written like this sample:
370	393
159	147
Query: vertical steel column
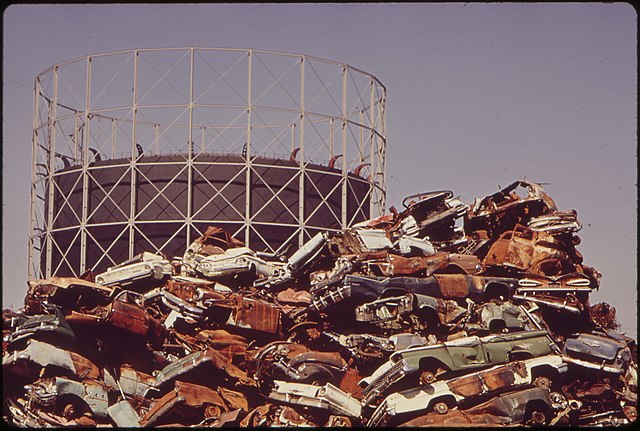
190	155
31	272
76	129
373	195
383	150
134	158
52	167
301	172
331	138
361	136
248	167
114	131
345	160
85	173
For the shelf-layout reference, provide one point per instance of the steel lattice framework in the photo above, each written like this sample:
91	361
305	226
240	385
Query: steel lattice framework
140	150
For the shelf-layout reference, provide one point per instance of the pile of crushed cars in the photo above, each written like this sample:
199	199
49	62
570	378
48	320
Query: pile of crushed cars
441	314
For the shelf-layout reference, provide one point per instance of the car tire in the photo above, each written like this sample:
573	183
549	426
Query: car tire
542	382
427	377
441	408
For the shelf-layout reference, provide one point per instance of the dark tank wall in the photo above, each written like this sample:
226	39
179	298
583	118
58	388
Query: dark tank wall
219	197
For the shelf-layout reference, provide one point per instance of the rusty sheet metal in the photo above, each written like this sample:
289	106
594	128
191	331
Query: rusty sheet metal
190	291
604	315
258	416
234	399
484	381
185	395
230	345
349	382
347	243
255	314
427	265
198	358
227	419
453	285
454	418
217	237
134	319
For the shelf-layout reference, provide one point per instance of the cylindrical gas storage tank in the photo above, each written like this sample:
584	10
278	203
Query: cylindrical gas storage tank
141	150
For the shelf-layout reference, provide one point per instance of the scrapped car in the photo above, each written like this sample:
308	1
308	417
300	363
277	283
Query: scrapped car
51	326
122	313
236	261
567	303
356	289
602	352
299	363
576	284
532	406
496	318
410	310
504	209
297	263
442	395
187	404
556	223
391	265
230	309
71	398
68	293
432	214
144	266
469	353
368	346
524	250
327	397
37	355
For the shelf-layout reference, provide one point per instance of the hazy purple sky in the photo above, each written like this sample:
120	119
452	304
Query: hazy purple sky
478	95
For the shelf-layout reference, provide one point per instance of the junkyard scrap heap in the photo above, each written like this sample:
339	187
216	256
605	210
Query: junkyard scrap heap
441	314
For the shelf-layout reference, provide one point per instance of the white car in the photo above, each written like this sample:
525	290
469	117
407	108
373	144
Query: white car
442	395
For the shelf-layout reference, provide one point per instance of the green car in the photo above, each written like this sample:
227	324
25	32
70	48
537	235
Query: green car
469	353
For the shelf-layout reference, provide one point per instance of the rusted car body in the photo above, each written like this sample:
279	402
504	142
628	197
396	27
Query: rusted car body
432	214
443	395
231	309
528	406
122	313
391	265
504	209
187	403
525	250
69	293
410	310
